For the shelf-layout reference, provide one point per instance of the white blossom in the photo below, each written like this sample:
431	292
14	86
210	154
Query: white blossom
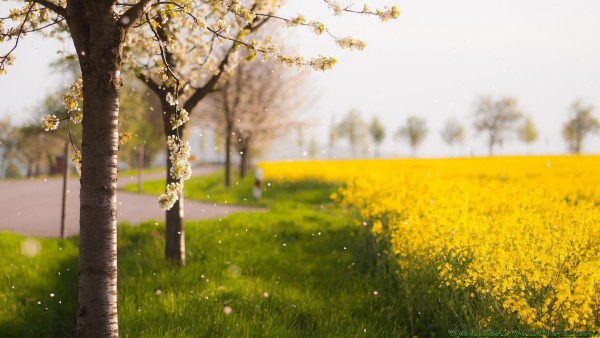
179	155
72	98
317	27
222	26
337	9
77	161
171	100
179	119
50	122
351	43
322	62
296	21
388	14
168	199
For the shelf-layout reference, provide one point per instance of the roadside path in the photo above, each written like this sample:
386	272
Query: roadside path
32	207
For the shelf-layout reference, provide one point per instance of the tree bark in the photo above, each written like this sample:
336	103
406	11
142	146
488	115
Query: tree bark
228	131
244	159
100	63
244	148
174	230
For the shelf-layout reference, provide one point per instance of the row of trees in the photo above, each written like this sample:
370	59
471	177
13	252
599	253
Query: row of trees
180	50
496	119
26	149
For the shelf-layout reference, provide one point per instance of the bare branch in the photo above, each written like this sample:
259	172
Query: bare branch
56	22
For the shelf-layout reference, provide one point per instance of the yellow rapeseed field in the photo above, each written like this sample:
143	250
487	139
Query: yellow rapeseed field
516	239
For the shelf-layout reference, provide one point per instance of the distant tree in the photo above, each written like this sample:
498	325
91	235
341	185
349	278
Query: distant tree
333	135
414	131
8	145
252	106
528	133
495	118
313	149
453	132
202	144
141	117
353	128
579	126
377	132
300	135
37	149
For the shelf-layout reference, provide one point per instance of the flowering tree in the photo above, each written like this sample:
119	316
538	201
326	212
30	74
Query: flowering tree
198	43
102	35
253	105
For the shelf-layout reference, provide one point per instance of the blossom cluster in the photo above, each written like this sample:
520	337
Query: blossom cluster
179	156
513	240
72	100
77	161
337	8
351	43
168	199
179	118
322	62
50	122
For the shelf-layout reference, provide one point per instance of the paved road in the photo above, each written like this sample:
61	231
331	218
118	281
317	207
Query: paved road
32	207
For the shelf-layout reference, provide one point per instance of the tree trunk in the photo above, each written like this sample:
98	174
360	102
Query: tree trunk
174	232
244	159
228	132
100	60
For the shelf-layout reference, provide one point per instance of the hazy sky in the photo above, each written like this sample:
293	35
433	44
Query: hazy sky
433	62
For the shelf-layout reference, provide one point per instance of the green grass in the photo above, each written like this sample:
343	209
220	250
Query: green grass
38	294
134	172
210	188
300	270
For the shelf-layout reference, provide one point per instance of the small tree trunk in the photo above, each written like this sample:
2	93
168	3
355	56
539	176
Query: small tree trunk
174	233
101	63
244	156
228	154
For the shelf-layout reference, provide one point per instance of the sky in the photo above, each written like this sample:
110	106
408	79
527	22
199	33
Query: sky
434	62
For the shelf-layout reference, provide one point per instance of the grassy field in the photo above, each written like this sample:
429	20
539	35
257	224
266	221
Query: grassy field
300	270
210	188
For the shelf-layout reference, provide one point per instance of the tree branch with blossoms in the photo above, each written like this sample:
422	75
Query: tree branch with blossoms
8	59
183	69
52	6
